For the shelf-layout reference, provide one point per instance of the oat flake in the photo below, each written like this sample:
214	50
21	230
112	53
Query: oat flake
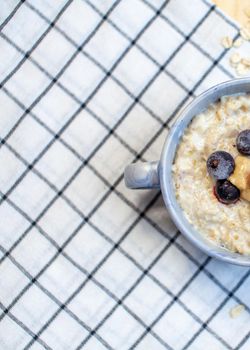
226	42
245	33
241	69
236	311
238	42
246	62
235	58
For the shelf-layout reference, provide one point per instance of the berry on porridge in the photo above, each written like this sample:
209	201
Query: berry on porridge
243	142
226	192
220	165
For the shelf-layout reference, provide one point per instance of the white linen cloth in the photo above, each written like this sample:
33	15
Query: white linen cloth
86	88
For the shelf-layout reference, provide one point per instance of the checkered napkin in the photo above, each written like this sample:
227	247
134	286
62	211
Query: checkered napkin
86	88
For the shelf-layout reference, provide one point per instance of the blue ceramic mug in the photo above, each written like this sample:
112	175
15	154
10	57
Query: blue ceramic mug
159	174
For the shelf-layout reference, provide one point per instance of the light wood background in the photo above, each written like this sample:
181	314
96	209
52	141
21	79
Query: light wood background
234	8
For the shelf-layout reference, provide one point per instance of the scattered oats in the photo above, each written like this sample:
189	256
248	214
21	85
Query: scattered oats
235	58
226	42
245	32
247	11
246	62
238	42
241	69
236	311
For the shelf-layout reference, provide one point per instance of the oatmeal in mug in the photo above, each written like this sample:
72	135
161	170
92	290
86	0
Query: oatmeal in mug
211	173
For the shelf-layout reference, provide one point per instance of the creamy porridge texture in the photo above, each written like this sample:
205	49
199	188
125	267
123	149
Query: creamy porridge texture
214	129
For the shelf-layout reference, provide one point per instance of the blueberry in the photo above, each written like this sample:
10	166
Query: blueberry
220	165
243	142
226	192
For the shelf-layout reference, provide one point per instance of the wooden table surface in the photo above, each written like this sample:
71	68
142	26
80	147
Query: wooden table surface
235	8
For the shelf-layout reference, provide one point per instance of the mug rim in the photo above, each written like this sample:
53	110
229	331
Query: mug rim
183	119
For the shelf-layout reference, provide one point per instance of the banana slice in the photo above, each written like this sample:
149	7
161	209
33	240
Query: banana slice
245	194
241	175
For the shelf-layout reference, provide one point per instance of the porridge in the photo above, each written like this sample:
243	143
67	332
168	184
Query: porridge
211	173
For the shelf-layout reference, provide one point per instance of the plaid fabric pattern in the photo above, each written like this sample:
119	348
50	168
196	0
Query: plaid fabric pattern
86	88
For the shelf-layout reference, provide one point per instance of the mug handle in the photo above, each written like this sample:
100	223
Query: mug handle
142	175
